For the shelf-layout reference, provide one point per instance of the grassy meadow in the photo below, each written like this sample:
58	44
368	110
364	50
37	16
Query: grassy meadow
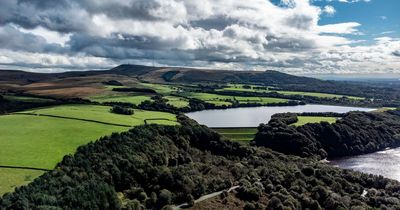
36	140
264	89
101	114
302	120
133	99
220	100
11	178
237	134
319	95
177	102
160	88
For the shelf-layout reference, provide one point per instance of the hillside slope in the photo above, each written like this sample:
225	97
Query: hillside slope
90	80
150	167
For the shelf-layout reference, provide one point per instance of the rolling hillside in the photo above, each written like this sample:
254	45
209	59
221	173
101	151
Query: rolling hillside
86	83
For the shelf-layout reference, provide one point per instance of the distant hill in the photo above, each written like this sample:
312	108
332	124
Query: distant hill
280	80
164	74
184	75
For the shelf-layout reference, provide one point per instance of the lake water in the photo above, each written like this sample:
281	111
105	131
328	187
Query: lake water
385	163
253	116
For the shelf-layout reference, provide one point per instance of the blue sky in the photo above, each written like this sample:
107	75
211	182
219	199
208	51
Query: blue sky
293	36
377	17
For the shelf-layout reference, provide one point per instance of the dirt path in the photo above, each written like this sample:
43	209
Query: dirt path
203	198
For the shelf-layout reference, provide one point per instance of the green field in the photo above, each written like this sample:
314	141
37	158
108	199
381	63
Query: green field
11	178
260	100
215	99
160	88
40	141
319	95
239	87
135	99
177	102
237	134
302	120
225	100
101	114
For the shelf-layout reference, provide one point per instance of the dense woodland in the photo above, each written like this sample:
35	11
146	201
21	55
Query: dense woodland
156	166
355	133
7	106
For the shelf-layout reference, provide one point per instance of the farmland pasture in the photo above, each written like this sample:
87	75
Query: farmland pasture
101	114
302	120
319	95
237	134
225	99
133	99
264	89
11	178
40	138
177	102
161	88
41	142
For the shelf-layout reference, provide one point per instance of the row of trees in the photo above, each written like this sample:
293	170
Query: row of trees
117	109
8	106
355	133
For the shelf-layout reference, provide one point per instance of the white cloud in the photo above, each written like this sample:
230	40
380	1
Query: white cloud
233	34
340	28
329	10
50	36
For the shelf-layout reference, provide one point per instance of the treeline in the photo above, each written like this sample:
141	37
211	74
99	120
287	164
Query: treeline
153	167
354	134
321	114
122	110
8	106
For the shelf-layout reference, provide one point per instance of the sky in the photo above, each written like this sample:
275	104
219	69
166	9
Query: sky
292	36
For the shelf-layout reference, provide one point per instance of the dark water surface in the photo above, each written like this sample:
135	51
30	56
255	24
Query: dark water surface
385	163
253	116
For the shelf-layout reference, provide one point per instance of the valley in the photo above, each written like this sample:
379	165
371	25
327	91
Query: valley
49	119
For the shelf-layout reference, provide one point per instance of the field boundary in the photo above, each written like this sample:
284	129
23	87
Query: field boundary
25	168
73	118
146	123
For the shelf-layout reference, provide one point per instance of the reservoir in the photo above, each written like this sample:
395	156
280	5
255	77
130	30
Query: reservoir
385	163
253	116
